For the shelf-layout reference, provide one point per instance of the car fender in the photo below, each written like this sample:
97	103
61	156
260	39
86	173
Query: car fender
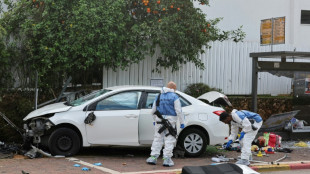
77	121
211	129
195	124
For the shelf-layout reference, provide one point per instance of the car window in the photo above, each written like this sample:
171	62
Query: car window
184	102
150	100
152	96
88	97
121	101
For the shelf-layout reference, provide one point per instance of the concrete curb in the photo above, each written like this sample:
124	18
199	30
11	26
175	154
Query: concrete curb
260	167
281	166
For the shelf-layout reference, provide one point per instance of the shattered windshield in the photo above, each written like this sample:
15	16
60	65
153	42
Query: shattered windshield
88	97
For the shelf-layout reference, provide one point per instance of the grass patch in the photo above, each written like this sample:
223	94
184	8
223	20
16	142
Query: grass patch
213	150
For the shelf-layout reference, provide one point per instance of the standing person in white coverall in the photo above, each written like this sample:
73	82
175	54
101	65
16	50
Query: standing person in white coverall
170	109
250	123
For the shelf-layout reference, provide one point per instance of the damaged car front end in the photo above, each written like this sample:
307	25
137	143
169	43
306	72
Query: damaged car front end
36	128
57	127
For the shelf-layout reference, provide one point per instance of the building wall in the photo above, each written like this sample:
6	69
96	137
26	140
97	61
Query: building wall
249	14
301	37
227	66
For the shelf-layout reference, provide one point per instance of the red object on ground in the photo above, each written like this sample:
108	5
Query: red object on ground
272	140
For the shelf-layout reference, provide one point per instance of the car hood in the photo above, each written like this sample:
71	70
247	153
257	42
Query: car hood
216	98
52	108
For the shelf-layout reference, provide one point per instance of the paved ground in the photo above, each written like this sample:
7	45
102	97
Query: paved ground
122	160
288	172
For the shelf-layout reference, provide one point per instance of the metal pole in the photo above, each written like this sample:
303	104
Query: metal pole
36	92
254	84
272	22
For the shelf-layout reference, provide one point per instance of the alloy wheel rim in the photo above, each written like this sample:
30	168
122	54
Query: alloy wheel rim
193	143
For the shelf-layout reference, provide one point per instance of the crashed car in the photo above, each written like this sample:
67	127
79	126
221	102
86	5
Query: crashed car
121	116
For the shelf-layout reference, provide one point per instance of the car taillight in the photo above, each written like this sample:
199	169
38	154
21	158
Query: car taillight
218	112
226	138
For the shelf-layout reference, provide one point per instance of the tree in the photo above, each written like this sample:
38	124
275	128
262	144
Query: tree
59	38
5	63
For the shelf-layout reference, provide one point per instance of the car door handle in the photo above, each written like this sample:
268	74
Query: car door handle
131	116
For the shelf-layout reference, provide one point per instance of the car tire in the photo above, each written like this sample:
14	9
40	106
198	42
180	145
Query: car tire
193	141
64	141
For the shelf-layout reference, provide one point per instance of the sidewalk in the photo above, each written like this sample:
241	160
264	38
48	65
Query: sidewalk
132	161
260	167
296	165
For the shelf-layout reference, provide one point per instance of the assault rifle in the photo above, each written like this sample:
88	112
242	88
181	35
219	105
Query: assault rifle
165	125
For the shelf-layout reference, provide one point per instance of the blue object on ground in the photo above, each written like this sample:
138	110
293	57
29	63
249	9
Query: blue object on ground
85	169
97	164
76	165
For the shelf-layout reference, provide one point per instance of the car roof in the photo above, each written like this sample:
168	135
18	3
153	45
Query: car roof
133	87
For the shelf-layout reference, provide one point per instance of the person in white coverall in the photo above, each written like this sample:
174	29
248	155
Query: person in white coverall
250	123
170	109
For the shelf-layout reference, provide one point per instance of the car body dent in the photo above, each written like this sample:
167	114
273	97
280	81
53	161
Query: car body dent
77	121
48	109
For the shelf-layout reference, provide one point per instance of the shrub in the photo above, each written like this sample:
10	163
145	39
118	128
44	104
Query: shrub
197	89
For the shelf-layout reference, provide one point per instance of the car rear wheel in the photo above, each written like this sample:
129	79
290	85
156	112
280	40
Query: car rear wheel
193	141
64	141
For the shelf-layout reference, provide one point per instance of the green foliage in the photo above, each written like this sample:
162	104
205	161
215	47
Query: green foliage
15	105
197	89
5	63
62	38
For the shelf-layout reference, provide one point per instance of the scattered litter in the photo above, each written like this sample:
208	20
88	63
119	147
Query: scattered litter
124	164
259	154
77	165
285	150
301	144
8	150
130	155
97	164
220	158
254	148
23	172
36	152
85	169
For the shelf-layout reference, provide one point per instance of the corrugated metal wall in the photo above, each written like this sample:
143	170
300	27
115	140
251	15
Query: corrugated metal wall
227	66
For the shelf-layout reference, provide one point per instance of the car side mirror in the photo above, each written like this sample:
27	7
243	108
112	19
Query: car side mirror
90	118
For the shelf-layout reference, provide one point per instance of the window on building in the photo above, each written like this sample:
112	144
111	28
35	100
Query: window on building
305	17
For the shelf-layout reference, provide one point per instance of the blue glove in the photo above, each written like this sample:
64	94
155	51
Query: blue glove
228	144
241	136
182	126
154	123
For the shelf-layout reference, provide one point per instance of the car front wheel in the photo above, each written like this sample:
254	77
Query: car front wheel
193	141
64	141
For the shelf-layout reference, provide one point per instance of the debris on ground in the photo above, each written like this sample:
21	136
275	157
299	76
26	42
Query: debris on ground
85	169
295	144
76	165
301	144
8	150
97	164
36	152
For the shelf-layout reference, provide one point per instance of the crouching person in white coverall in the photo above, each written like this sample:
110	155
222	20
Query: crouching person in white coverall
170	108
250	123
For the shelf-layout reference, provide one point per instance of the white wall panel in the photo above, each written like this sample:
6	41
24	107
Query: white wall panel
227	67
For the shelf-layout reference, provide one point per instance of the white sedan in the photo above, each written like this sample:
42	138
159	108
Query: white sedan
121	116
